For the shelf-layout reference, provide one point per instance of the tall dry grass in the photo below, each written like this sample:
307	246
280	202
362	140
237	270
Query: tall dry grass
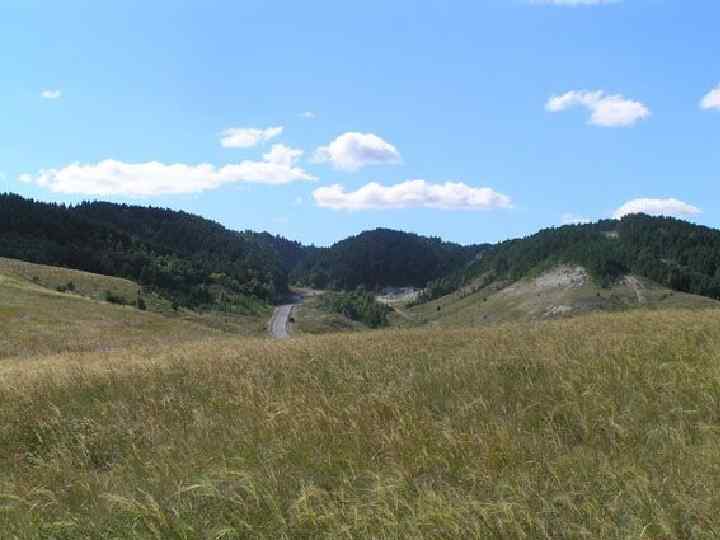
606	426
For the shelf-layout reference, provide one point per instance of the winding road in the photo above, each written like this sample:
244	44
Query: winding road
279	321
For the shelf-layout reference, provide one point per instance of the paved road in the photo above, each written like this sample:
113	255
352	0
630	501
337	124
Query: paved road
279	322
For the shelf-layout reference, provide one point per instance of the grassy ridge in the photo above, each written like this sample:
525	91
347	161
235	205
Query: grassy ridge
37	319
85	283
603	426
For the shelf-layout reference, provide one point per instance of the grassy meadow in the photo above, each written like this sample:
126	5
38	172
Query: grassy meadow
602	426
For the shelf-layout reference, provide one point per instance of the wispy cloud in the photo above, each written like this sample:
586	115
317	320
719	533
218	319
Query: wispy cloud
606	110
308	114
573	219
411	194
248	137
711	99
657	207
112	177
51	94
352	151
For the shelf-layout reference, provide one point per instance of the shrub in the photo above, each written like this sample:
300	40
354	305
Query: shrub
113	298
358	306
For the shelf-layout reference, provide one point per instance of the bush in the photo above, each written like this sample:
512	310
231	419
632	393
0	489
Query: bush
113	298
358	306
68	287
140	303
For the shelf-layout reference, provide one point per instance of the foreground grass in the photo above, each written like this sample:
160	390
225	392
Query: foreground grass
605	426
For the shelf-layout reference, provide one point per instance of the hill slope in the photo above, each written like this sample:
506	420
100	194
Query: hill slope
671	252
36	318
194	261
603	426
558	292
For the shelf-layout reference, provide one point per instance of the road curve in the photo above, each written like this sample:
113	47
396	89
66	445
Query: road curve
279	321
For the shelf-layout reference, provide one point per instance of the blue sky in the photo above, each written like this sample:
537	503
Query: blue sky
474	121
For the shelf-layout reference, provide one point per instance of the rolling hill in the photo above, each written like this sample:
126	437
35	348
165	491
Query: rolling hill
559	292
382	258
190	260
200	264
674	253
37	318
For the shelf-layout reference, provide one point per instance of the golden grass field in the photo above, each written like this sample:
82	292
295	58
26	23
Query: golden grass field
601	426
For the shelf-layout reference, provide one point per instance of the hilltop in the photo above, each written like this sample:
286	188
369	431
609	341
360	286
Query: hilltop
381	258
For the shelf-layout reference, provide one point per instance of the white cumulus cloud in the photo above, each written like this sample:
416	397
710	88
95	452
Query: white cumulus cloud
411	194
248	137
111	177
51	94
657	207
352	151
283	155
607	110
711	99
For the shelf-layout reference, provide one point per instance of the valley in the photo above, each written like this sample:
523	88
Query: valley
516	392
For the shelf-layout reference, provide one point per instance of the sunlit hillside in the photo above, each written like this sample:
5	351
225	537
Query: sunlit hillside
561	292
45	309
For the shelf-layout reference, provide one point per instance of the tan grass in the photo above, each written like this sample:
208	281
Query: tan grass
604	426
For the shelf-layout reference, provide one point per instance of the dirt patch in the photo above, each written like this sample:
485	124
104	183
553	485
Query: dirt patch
556	311
561	277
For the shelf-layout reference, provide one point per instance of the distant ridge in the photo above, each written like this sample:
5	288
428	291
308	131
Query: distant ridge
199	263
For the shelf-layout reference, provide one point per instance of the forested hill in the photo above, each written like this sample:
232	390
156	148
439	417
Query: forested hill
382	257
672	252
194	261
200	263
